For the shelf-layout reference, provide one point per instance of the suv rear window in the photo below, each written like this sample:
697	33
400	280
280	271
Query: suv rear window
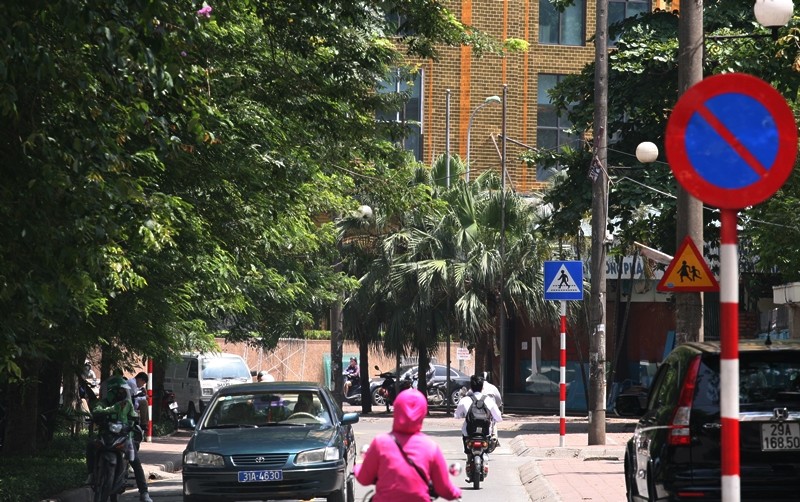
766	380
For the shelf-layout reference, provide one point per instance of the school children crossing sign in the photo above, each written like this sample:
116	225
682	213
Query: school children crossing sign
563	280
688	272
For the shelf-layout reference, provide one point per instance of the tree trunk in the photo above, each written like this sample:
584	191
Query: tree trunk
22	413
49	397
363	366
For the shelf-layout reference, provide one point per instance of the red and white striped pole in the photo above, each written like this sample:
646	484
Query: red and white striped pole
729	356
562	383
149	400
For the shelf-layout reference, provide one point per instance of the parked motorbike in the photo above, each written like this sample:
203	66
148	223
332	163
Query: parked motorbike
354	395
111	447
387	391
168	407
436	391
477	459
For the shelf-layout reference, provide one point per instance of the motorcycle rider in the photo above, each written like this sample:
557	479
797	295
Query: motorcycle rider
351	374
117	405
136	389
385	466
476	383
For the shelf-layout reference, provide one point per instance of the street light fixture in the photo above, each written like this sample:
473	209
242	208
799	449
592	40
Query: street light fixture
487	101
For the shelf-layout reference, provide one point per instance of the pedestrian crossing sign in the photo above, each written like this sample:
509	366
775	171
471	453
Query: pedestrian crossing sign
688	272
563	280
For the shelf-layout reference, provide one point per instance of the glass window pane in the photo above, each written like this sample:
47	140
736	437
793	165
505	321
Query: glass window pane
572	24
548	23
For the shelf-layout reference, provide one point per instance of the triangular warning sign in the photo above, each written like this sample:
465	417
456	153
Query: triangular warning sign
563	282
688	271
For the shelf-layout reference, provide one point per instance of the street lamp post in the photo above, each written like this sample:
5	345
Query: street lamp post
487	101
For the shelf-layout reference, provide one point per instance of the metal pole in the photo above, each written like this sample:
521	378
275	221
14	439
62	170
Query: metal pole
689	210
597	343
729	356
447	134
501	303
149	400
562	382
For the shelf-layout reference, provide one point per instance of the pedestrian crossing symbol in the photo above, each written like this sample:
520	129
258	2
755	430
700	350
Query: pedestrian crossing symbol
563	280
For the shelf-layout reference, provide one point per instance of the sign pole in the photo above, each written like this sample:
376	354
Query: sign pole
562	384
729	356
149	400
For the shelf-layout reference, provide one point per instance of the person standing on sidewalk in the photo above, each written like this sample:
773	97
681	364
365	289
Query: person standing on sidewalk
136	389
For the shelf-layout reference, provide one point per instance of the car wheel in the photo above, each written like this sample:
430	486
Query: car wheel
630	481
351	490
455	396
377	398
338	495
652	495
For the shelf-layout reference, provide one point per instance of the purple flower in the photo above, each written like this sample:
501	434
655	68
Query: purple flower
205	11
183	53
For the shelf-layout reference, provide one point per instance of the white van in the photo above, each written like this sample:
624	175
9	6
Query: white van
196	377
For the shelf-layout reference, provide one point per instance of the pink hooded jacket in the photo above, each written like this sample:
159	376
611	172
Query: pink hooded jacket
384	466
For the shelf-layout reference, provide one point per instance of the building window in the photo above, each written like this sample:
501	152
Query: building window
562	28
409	84
619	10
551	130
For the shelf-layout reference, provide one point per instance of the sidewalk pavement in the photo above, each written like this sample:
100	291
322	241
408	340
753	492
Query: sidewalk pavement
161	458
576	471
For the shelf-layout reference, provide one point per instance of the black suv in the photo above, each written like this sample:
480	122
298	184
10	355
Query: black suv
675	451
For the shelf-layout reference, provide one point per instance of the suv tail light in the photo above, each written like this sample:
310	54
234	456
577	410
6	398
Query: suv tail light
679	434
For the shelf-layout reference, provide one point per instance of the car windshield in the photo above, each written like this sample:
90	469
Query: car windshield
267	409
220	368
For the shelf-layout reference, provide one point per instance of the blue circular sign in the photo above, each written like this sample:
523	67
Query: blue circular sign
731	140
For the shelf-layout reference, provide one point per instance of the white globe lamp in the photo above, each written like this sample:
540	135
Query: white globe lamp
646	152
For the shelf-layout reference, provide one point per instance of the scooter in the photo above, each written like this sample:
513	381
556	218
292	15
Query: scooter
111	447
477	459
386	392
169	407
354	395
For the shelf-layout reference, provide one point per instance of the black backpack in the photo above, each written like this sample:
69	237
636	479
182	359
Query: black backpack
478	417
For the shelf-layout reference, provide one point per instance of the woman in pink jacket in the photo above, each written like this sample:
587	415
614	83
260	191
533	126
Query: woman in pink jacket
385	466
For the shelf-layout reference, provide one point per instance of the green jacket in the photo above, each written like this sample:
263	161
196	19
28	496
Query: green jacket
120	410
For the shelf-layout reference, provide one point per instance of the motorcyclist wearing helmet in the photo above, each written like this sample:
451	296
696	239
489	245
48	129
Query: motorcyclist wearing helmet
116	405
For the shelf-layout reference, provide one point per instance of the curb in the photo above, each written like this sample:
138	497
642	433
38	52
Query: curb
537	486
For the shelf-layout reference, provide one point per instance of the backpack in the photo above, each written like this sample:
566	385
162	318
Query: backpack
478	417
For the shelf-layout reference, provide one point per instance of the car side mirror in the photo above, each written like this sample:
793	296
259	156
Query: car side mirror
629	405
186	424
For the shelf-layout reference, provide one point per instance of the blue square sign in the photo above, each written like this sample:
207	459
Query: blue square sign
563	280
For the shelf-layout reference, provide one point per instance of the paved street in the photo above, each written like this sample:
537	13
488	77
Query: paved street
529	464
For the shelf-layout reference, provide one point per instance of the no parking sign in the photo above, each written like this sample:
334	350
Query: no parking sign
731	140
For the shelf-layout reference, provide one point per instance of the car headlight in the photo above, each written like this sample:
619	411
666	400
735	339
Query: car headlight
317	456
201	459
208	391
